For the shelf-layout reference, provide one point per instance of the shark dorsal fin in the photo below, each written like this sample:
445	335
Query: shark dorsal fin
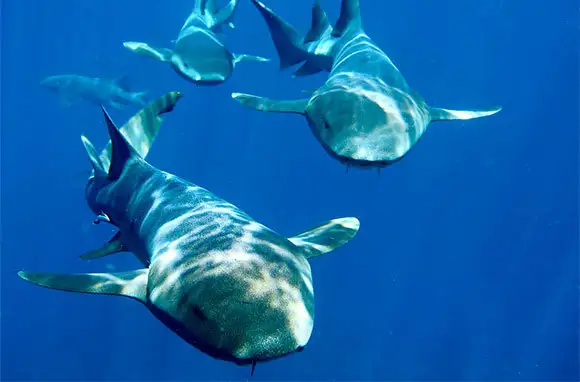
319	23
349	17
121	150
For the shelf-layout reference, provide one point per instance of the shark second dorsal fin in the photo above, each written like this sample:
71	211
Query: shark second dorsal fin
121	151
131	284
319	23
349	17
326	237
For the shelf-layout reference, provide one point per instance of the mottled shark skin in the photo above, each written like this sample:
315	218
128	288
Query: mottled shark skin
112	93
365	115
228	285
198	54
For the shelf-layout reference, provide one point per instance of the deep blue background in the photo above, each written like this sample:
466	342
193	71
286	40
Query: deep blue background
466	264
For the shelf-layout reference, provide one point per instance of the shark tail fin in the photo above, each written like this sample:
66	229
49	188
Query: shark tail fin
142	129
326	237
269	105
349	18
98	169
131	284
121	152
288	42
447	115
222	16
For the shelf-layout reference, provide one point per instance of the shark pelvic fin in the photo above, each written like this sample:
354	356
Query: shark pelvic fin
98	168
131	284
447	115
144	49
269	105
114	245
326	237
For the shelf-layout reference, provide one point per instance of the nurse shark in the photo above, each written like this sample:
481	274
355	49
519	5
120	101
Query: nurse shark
113	93
225	283
364	115
198	54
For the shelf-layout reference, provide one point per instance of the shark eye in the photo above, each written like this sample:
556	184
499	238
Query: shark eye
198	313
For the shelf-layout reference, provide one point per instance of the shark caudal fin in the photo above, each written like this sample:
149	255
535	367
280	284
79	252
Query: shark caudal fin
131	284
270	105
216	18
289	43
438	114
326	237
142	129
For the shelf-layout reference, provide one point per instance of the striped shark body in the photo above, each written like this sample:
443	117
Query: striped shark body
228	285
101	91
198	54
364	115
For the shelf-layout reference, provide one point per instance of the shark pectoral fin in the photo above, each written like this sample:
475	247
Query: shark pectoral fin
129	284
326	237
269	105
115	245
438	114
248	57
161	54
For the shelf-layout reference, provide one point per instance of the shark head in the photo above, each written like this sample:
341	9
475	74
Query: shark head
238	304
364	124
54	82
202	58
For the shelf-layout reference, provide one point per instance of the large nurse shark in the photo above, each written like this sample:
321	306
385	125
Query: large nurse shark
365	115
228	285
198	54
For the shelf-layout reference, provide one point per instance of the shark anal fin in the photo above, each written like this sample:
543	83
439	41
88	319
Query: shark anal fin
326	237
115	245
131	284
144	49
248	57
448	115
269	105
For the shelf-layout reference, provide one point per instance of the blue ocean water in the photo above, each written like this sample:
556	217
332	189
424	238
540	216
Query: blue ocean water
466	263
